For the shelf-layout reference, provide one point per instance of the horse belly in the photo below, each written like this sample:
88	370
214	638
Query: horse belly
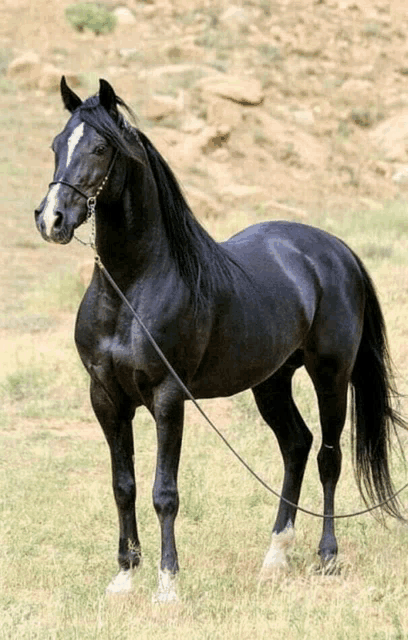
241	360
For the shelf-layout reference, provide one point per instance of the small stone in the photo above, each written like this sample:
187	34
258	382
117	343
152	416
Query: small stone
25	68
124	16
241	89
401	176
158	107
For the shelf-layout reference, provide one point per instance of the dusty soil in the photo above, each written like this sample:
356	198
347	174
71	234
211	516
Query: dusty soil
263	109
329	125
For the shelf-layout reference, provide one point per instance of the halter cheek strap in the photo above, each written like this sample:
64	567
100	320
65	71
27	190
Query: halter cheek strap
90	200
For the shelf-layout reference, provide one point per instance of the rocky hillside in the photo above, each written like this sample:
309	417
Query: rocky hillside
278	106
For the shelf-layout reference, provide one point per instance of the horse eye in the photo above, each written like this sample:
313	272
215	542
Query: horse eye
100	149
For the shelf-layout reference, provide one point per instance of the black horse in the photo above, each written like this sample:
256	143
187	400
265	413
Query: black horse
245	313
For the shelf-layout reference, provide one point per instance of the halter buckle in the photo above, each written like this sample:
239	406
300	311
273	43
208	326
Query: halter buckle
91	204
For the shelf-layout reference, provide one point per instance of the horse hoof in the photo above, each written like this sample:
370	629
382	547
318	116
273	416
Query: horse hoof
166	592
122	583
275	560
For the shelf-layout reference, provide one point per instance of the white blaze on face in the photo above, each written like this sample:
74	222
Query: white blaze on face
73	140
51	204
50	207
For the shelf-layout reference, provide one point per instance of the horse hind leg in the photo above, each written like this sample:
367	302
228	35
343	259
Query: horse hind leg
276	405
330	380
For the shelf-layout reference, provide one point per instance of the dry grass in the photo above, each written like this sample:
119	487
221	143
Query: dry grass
58	525
58	522
59	541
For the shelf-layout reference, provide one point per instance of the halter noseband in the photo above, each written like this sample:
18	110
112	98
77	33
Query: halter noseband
90	200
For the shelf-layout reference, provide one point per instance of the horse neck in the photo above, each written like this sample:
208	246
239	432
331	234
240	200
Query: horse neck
130	236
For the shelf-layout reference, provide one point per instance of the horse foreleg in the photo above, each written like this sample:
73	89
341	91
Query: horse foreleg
115	414
169	415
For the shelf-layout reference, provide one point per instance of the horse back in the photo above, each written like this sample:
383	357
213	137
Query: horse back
295	288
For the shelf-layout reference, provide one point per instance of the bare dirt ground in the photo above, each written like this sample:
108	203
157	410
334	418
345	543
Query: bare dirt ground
292	109
321	119
263	109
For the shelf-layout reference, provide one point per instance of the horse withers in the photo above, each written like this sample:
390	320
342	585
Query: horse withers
245	313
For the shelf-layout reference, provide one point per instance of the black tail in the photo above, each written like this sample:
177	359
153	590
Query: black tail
374	418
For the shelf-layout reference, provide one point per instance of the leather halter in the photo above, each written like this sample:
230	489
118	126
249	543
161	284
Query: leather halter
90	200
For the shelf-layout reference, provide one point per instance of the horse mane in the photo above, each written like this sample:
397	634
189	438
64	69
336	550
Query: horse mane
117	131
204	265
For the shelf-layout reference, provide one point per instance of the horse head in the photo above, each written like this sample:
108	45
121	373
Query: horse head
85	153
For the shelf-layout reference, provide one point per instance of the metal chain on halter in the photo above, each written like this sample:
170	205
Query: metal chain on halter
91	206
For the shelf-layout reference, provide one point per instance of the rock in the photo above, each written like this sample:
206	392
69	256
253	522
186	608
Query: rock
203	205
401	175
129	53
211	138
220	155
158	107
235	18
221	112
50	78
25	68
304	117
362	117
289	143
31	73
241	89
391	137
382	168
124	16
192	124
172	69
241	190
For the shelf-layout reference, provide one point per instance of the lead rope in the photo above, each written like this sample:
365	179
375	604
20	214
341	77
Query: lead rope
98	261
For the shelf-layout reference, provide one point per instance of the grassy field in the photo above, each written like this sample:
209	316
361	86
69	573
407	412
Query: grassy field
58	526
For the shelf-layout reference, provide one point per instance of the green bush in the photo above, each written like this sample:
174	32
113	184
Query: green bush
87	15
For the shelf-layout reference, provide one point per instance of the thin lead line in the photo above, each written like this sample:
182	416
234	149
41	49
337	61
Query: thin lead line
212	425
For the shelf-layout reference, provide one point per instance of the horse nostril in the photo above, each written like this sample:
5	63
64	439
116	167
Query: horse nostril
38	220
59	218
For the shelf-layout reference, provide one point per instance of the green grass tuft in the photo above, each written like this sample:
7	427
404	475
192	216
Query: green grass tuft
94	17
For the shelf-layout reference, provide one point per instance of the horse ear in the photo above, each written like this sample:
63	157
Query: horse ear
107	98
70	99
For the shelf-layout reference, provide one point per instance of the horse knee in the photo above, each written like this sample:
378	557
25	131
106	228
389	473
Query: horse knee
124	489
165	501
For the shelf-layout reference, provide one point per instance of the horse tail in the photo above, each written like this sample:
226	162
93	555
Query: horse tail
374	418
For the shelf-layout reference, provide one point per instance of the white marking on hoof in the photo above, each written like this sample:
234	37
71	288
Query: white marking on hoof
167	588
275	559
122	583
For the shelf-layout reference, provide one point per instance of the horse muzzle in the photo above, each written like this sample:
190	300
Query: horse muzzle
57	221
55	229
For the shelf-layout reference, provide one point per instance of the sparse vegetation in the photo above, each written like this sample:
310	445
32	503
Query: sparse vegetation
5	58
58	524
91	16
